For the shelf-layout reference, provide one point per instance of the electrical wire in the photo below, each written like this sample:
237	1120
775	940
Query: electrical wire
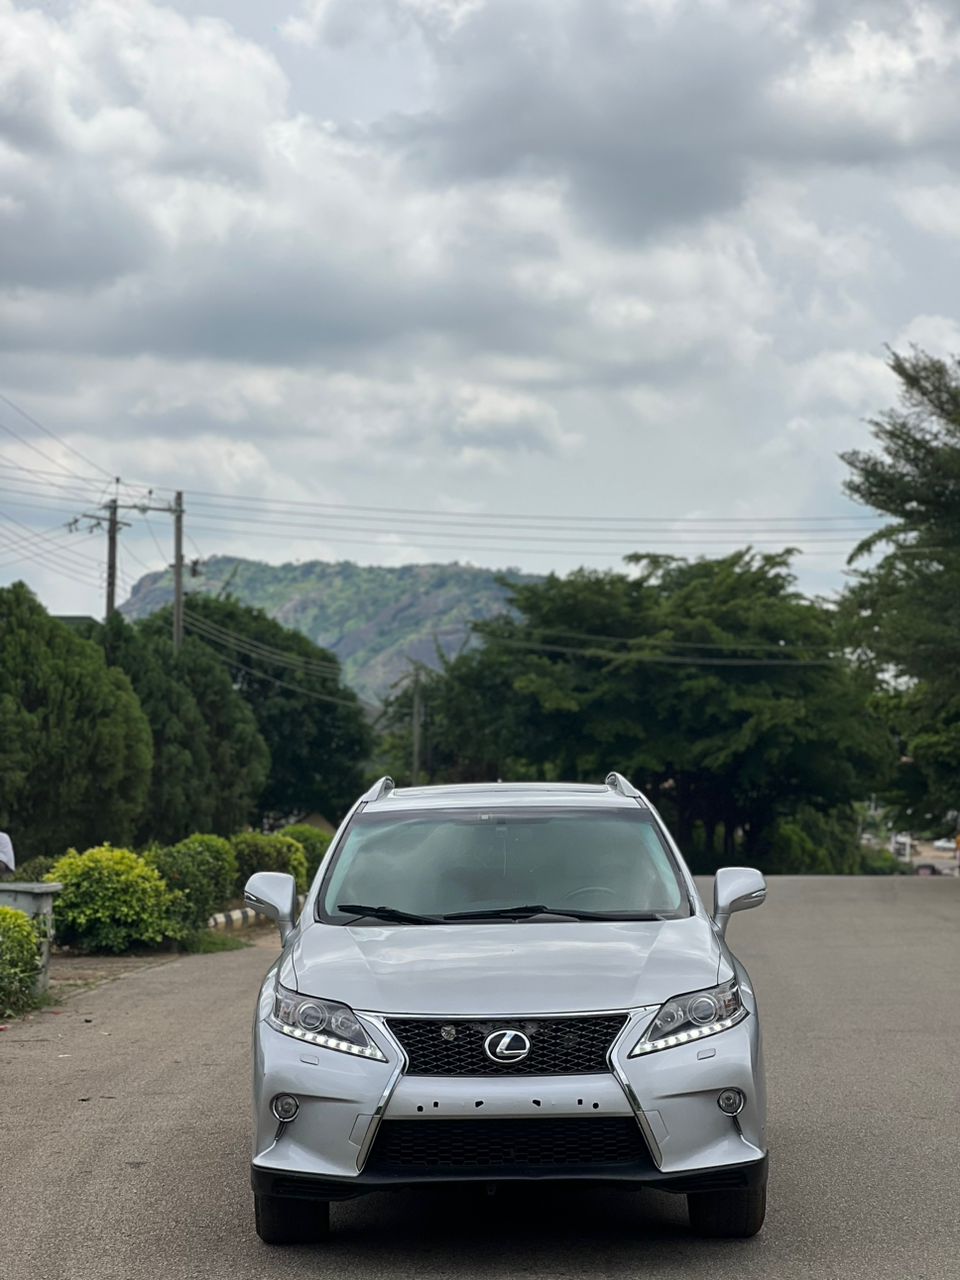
256	649
53	436
283	684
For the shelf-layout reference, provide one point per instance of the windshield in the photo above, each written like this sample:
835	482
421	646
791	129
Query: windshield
439	862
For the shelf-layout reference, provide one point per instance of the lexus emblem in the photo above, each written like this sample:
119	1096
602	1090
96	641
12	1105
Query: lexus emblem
506	1046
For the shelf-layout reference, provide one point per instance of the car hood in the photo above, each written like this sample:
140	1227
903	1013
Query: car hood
543	967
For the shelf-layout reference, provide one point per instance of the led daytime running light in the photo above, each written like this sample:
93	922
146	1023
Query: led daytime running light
684	1037
331	1042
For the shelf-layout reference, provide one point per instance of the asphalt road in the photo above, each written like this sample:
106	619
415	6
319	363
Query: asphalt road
124	1126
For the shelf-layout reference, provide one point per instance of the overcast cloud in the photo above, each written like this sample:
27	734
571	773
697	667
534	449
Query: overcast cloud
582	257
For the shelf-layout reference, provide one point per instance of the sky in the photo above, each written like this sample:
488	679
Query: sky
512	282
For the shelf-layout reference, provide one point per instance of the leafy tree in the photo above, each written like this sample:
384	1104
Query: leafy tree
904	612
238	754
717	686
312	723
76	752
209	761
181	781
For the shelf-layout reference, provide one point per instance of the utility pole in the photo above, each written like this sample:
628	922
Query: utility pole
113	530
115	524
417	717
178	570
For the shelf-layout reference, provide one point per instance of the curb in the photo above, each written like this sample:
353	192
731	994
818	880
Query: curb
243	917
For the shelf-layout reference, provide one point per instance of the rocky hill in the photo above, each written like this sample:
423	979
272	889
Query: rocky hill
373	617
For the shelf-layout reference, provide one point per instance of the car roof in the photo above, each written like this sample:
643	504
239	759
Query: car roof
493	794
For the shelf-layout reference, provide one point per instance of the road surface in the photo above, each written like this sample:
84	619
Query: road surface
124	1127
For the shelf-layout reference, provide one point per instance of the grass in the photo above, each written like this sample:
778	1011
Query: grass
206	942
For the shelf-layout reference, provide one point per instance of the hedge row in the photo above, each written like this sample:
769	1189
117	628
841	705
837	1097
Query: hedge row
115	899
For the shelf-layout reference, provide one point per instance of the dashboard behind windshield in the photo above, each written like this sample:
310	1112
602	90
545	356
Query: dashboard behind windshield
438	862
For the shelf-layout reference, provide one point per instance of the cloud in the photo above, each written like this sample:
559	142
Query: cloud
672	232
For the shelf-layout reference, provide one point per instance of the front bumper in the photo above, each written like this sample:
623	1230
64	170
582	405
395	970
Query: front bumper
688	1143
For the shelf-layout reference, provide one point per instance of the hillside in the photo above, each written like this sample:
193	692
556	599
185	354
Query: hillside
373	617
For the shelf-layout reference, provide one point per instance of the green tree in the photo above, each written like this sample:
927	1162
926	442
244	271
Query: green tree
313	724
238	753
903	612
209	761
180	798
719	688
76	757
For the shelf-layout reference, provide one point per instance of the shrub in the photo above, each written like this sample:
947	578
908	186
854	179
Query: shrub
315	844
881	863
203	869
256	852
33	868
112	900
792	852
19	961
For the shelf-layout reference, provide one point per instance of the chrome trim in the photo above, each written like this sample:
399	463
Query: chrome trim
508	1017
395	1077
627	1087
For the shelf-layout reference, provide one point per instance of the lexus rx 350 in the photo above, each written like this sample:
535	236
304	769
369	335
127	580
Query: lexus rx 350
500	983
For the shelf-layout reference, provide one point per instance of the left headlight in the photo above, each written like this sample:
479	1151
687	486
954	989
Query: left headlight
324	1022
691	1017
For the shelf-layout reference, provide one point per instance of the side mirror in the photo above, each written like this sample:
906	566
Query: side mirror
273	894
736	889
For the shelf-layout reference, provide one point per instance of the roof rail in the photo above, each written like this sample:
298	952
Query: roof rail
617	782
379	790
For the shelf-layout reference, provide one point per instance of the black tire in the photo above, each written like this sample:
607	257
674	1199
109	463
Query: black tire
283	1220
731	1214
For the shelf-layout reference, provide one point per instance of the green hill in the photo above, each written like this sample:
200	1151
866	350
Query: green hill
373	617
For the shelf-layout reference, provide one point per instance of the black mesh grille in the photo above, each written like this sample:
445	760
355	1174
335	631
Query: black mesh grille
558	1046
466	1146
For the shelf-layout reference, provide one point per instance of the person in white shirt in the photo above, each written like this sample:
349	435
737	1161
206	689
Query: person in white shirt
7	860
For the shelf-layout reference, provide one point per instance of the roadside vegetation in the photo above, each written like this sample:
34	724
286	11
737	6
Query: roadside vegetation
19	961
757	718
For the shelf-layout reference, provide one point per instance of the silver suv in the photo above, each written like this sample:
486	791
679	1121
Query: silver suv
502	983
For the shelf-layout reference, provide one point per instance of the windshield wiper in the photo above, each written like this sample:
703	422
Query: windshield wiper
386	913
527	912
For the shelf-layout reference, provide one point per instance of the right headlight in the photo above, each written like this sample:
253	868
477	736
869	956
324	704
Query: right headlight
692	1017
324	1022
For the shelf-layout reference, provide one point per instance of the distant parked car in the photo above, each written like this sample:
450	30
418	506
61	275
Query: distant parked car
948	843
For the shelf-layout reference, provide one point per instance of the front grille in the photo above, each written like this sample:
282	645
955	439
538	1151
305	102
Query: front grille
558	1046
469	1146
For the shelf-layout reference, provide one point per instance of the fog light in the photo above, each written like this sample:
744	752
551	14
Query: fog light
285	1107
731	1102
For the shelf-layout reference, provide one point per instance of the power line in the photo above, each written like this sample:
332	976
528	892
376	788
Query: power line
283	684
467	547
259	650
53	436
616	538
483	516
47	560
21	547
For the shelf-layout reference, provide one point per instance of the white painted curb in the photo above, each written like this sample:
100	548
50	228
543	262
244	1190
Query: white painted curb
243	917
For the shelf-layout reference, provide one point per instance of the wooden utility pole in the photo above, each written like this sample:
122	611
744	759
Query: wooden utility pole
113	530
417	718
178	570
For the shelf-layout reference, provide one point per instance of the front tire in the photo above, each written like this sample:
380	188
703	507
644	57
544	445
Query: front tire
283	1220
729	1214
